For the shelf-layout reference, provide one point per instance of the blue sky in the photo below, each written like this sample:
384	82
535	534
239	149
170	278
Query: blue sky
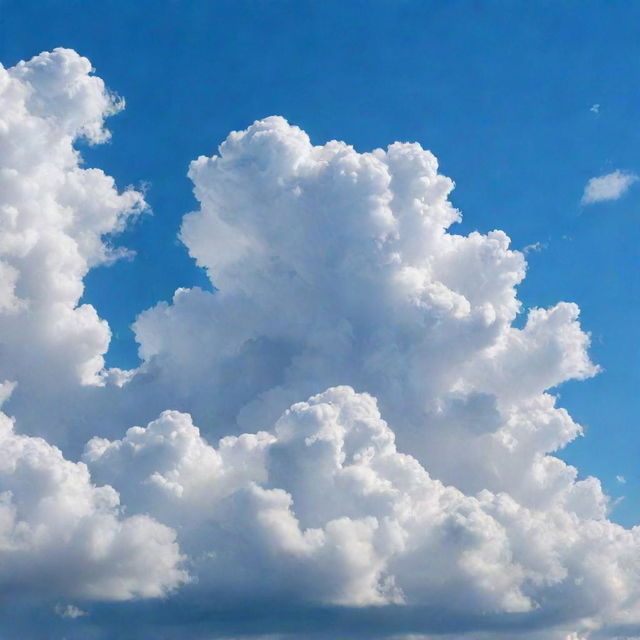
503	93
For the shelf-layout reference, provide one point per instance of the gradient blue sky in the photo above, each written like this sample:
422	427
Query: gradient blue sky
501	92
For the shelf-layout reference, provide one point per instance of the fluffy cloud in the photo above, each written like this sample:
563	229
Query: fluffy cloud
338	267
377	437
334	266
62	536
54	220
325	509
608	187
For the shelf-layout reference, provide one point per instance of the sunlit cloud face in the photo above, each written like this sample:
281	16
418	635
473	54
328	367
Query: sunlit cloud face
349	424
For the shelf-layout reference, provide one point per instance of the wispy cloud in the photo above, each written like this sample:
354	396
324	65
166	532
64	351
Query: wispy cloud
610	186
536	247
69	611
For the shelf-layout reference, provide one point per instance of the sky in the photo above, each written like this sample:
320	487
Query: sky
268	296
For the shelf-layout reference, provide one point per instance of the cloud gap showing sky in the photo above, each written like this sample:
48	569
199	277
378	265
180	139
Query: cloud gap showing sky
347	424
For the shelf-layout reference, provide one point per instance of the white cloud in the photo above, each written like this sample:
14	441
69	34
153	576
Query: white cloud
535	247
55	220
621	479
337	266
608	187
352	277
62	536
325	508
383	434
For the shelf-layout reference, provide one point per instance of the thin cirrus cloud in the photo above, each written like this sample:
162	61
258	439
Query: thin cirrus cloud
611	186
349	433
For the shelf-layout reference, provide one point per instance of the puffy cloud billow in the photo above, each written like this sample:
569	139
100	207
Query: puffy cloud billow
349	433
56	218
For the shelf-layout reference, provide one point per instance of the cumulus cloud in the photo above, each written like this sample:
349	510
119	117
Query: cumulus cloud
338	267
62	536
324	508
373	433
56	218
608	187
